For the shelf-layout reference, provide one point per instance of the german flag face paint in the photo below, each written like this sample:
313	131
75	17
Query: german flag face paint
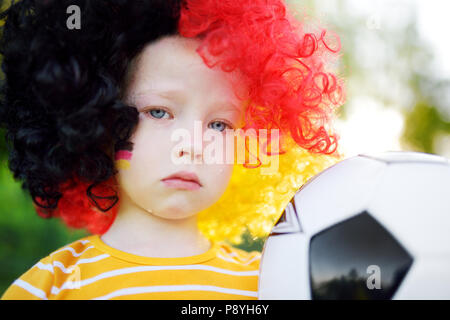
122	159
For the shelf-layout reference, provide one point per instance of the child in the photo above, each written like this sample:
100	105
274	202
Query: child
92	113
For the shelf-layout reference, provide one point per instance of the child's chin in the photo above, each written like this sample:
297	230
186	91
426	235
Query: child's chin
175	214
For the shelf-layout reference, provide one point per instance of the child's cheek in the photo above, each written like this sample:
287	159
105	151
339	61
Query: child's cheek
122	159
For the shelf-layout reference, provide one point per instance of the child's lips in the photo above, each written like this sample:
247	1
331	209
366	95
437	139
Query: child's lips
178	183
182	180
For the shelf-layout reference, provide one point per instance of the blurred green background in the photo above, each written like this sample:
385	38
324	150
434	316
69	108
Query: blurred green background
394	60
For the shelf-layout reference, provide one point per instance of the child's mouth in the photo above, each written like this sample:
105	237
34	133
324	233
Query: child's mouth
178	183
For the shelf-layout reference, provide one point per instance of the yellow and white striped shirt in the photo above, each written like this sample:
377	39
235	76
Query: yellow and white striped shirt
90	269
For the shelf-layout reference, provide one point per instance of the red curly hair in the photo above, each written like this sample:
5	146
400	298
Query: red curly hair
283	67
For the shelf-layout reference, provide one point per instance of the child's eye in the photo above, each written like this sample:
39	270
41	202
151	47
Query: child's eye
219	125
158	113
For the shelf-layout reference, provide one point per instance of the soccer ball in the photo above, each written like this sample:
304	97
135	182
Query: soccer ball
369	227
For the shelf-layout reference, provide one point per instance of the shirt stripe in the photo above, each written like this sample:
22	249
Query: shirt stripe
74	253
28	287
119	272
137	290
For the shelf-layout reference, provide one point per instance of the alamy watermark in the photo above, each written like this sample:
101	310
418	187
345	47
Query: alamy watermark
232	147
74	20
374	279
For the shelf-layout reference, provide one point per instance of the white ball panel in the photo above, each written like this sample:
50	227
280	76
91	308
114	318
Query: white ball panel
402	156
428	278
413	203
281	277
337	193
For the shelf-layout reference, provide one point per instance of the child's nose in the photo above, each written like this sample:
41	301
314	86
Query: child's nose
193	153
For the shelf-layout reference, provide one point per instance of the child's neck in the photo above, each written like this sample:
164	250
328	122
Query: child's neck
139	232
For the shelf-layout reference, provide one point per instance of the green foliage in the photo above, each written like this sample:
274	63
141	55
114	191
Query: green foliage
249	243
422	124
25	237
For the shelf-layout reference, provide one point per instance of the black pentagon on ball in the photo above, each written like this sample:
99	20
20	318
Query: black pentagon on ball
356	259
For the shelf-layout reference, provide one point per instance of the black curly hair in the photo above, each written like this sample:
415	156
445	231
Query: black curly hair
61	94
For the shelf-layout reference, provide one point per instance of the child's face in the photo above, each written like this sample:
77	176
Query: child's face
198	94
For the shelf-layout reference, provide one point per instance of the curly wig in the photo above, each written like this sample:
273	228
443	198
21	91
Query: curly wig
60	103
61	97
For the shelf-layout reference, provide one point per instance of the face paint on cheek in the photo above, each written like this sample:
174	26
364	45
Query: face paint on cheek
122	159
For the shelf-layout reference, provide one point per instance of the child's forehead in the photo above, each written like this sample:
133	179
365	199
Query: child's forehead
162	57
172	64
173	49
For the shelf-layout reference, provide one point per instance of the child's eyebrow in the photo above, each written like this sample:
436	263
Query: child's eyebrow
179	96
174	95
